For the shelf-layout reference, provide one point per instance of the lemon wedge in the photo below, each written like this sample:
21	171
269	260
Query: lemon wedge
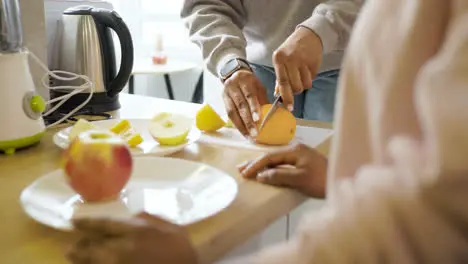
208	120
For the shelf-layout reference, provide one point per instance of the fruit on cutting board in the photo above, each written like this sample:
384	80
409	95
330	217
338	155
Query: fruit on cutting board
82	125
170	129
125	130
279	129
208	120
98	165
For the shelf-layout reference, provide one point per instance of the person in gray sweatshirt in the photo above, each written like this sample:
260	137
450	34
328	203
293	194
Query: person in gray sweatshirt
263	48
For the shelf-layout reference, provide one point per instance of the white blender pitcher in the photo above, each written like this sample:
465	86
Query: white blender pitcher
21	107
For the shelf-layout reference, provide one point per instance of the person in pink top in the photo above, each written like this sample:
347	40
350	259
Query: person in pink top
397	178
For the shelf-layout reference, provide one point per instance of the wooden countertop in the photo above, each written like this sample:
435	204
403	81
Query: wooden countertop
256	206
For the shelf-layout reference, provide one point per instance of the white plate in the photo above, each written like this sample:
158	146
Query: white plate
180	191
149	145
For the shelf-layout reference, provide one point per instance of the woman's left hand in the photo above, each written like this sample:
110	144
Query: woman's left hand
300	167
143	239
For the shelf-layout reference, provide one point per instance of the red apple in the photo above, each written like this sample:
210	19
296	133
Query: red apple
98	165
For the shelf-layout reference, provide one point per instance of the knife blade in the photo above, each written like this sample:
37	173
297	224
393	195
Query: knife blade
277	103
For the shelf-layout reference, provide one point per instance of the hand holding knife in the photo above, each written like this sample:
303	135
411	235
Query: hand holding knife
243	97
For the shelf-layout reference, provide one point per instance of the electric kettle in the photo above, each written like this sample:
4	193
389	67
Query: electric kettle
21	107
84	45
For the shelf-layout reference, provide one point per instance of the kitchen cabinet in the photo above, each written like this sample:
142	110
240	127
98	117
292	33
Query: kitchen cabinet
297	214
274	234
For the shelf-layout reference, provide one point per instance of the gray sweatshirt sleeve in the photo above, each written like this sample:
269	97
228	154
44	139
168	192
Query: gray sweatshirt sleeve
333	21
216	27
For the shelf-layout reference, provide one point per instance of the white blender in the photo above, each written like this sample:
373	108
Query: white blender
21	108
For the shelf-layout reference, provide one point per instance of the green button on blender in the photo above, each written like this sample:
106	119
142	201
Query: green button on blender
37	104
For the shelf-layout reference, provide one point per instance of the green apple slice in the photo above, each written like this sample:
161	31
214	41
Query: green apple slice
170	129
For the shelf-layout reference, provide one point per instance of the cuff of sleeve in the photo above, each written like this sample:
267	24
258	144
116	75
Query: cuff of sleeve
320	26
227	55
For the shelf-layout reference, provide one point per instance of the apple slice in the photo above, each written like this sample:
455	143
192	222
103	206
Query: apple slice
125	130
82	125
170	129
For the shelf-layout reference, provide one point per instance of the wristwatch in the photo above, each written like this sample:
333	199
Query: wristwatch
232	66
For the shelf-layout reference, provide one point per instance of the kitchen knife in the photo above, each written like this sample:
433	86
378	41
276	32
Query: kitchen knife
277	103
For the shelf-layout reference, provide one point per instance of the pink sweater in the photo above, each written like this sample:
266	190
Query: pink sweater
398	182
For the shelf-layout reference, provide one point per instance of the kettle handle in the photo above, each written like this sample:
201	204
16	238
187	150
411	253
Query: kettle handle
113	21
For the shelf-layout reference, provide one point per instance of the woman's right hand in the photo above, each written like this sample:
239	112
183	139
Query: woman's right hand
243	96
300	167
142	239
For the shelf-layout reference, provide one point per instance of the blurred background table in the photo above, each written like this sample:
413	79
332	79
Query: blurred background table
146	67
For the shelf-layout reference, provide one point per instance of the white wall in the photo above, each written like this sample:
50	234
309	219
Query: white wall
32	15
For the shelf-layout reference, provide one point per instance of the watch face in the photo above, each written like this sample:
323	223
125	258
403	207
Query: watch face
230	67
